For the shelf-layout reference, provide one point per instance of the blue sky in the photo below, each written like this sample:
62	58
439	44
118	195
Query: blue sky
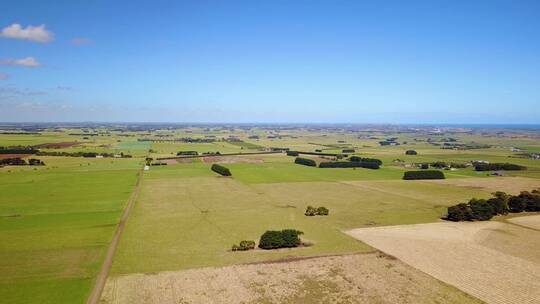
271	61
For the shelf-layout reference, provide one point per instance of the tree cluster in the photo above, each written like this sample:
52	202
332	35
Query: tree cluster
500	204
221	170
80	154
497	166
243	246
312	211
305	162
426	174
286	238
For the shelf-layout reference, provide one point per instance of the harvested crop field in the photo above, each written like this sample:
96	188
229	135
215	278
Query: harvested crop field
231	159
360	278
58	145
527	221
4	156
511	185
494	261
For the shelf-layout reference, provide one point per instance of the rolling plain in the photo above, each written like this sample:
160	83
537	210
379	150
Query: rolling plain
57	220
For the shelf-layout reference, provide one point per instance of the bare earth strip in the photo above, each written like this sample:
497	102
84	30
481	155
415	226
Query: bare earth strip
511	185
493	261
360	278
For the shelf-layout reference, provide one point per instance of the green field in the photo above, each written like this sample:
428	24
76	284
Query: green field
56	223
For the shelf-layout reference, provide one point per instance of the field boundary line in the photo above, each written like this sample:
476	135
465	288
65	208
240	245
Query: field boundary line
101	279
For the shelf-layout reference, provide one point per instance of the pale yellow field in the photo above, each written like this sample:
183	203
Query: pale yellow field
496	262
360	278
512	185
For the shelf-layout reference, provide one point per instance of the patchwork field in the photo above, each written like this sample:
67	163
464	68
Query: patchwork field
496	262
57	220
358	278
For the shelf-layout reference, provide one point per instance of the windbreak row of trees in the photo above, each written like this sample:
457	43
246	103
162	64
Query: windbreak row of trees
424	174
18	150
221	170
17	161
365	159
305	162
81	154
187	153
497	166
500	204
349	164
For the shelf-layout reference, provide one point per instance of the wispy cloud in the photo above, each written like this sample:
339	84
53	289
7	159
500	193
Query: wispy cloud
29	62
81	41
31	33
64	88
9	92
4	76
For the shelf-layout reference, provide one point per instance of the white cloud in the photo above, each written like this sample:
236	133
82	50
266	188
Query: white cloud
4	76
29	62
32	33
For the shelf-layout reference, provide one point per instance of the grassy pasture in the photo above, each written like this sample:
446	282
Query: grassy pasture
56	222
199	215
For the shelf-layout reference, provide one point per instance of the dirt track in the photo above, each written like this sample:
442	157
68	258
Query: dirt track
101	278
493	261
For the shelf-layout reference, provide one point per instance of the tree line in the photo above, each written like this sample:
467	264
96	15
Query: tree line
500	204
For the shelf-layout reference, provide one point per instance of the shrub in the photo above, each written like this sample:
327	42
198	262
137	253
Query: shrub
286	238
428	174
244	246
481	209
322	211
424	166
221	170
411	152
305	162
292	153
310	211
348	151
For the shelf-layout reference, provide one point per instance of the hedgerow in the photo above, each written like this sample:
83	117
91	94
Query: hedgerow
221	170
305	162
426	174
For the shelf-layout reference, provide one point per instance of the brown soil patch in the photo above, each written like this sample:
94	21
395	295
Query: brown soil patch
493	261
507	184
361	278
59	145
231	159
4	156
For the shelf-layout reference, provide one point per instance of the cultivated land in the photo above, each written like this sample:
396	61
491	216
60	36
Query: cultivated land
496	262
57	221
359	278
